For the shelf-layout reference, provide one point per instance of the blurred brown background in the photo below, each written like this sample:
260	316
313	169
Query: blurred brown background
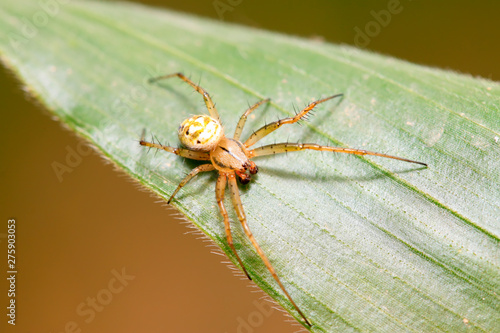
75	235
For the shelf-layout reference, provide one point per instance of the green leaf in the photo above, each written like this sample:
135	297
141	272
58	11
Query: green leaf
361	243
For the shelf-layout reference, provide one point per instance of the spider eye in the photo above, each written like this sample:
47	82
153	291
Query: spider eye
200	133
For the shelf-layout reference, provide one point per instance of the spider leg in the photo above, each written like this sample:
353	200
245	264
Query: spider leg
206	97
235	197
269	128
194	155
194	172
243	119
289	147
219	194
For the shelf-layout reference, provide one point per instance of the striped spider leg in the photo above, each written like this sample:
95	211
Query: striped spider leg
203	139
285	147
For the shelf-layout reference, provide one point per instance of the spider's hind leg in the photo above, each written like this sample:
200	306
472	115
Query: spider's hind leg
206	97
192	154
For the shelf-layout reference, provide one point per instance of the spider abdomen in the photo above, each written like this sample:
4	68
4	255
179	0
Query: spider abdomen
201	133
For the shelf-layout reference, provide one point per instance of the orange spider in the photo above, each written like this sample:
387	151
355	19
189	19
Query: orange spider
204	139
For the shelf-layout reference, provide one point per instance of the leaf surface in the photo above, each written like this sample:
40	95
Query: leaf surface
361	243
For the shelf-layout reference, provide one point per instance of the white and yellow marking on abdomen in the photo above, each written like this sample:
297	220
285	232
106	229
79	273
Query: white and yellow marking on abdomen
200	133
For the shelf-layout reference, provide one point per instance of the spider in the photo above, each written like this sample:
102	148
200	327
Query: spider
203	139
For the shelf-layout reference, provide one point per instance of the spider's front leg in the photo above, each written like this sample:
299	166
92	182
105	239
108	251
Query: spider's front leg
236	200
220	188
279	148
269	128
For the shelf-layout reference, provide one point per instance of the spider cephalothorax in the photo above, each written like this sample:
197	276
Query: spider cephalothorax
203	139
205	134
